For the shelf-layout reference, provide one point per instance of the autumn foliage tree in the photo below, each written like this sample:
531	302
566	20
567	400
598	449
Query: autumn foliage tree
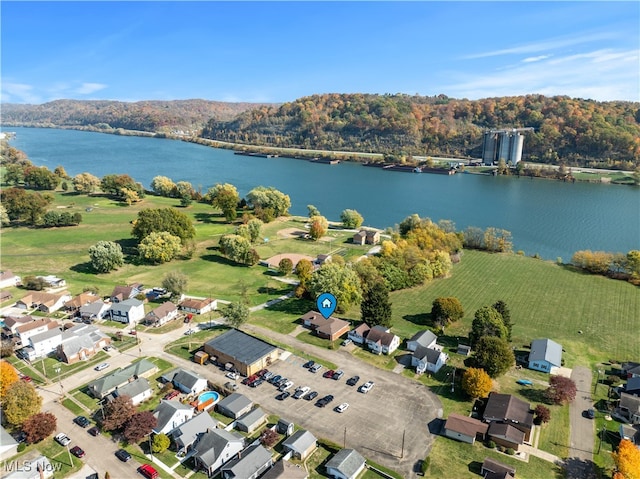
542	414
20	402
476	382
8	376
160	443
446	310
269	438
627	459
318	227
561	390
117	413
39	426
139	425
494	355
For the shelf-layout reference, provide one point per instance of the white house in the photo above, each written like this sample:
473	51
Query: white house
187	381
428	359
425	338
170	415
94	311
164	313
358	334
53	281
32	328
198	306
8	279
381	341
46	302
545	354
216	447
345	464
129	311
43	344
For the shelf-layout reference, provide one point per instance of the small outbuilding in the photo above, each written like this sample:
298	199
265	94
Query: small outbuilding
345	464
464	428
251	421
545	354
301	444
235	405
495	469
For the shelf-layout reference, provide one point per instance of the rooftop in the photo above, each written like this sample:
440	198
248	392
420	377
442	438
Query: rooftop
241	346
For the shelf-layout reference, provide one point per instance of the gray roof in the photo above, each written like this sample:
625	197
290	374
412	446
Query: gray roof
285	470
31	472
133	388
633	384
252	417
36	338
107	383
505	407
94	308
424	338
430	355
242	347
186	434
347	461
299	441
186	378
166	410
235	402
126	305
6	439
248	464
212	443
546	350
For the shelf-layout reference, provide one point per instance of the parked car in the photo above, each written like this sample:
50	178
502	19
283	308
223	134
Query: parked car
280	382
342	407
308	364
591	413
172	394
81	421
268	375
311	396
315	368
366	387
256	383
301	391
123	455
262	372
231	386
133	331
275	379
108	348
26	378
231	375
324	401
77	451
249	379
285	386
148	471
101	366
189	332
283	395
346	342
338	374
62	439
94	431
329	374
352	381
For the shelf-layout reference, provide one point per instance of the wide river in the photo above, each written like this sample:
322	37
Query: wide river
551	218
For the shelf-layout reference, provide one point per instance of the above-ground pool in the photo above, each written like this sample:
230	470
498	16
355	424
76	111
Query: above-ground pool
207	400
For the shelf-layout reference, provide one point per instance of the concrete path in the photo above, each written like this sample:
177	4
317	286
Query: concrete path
579	464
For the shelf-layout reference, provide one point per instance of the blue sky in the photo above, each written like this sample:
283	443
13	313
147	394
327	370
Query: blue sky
280	51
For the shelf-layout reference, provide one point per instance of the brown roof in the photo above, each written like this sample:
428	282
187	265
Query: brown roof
362	330
122	292
196	303
40	297
465	425
379	335
506	431
494	466
80	300
8	274
328	326
11	321
36	323
505	407
164	309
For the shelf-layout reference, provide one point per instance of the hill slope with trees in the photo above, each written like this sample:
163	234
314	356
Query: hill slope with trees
567	130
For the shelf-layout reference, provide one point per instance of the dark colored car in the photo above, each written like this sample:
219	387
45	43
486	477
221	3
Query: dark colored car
311	396
275	379
94	431
324	401
172	394
352	381
81	421
280	382
123	455
329	374
338	374
283	395
262	372
256	383
250	379
308	364
77	451
591	413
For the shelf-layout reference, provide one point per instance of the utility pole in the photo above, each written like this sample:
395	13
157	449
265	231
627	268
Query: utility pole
402	450
453	380
344	441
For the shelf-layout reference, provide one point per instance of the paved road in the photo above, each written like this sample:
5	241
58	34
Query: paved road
579	465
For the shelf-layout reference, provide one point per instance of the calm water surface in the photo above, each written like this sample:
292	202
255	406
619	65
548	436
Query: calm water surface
550	218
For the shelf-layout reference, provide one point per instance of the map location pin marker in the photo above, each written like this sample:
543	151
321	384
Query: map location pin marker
326	303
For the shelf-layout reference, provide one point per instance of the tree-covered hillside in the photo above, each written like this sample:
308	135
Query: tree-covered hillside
567	130
151	116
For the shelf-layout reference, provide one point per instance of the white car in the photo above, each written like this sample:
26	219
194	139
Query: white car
232	375
301	391
366	387
286	386
62	439
189	332
342	407
102	366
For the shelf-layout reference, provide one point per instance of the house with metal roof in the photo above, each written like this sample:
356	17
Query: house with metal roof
424	338
234	405
345	464
246	353
301	444
214	448
106	384
129	311
250	464
428	359
170	415
545	354
251	421
187	433
188	382
138	390
81	342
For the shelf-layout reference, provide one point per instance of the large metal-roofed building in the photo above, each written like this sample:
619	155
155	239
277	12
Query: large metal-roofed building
246	353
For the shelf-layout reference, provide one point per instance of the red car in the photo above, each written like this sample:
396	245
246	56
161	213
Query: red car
26	379
172	394
250	379
147	471
262	372
77	451
329	374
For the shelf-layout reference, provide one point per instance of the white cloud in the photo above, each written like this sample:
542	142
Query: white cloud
18	93
535	59
88	88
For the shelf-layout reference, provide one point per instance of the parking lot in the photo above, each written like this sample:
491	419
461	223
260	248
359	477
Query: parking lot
374	423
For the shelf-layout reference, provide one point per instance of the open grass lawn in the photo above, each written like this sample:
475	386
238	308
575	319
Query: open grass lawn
187	346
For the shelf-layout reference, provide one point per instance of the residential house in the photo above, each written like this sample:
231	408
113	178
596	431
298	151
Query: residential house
632	386
253	461
286	470
38	468
198	306
330	328
9	280
170	415
631	369
345	464
188	382
106	384
8	445
322	259
5	295
507	410
31	328
246	353
630	433
251	421
73	306
301	444
45	302
214	448
380	340
138	390
545	354
424	338
81	342
96	310
234	405
187	433
359	334
53	281
428	359
366	237
122	293
492	469
11	323
43	344
164	313
464	428
629	408
284	426
128	311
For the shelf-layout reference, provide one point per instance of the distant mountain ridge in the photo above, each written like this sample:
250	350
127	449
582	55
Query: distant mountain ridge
149	116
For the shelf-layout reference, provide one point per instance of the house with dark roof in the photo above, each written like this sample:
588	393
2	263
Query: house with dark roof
138	390
492	469
186	434
198	305
545	354
366	237
214	448
381	340
128	311
359	333
508	410
106	384
164	313
285	470
464	428
631	369
424	338
327	328
629	408
632	386
301	444
505	435
170	415
188	382
246	353
81	342
122	293
234	405
96	310
428	359
253	461
251	421
345	464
